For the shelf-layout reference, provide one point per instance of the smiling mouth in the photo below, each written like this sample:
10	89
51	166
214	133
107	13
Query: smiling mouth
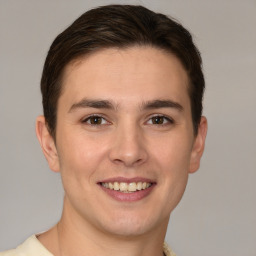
125	187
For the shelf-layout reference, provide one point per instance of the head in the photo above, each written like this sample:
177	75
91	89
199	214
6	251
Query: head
122	93
120	27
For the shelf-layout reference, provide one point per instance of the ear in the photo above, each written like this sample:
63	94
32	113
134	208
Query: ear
47	144
198	146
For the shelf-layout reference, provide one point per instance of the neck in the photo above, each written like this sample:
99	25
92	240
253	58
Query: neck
75	236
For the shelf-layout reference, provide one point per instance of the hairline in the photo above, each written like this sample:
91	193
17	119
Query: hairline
76	60
83	56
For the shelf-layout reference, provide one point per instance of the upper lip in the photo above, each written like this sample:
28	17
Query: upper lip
127	180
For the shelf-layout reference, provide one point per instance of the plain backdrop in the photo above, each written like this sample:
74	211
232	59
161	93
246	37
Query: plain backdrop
217	216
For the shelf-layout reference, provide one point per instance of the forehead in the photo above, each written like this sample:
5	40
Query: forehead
126	74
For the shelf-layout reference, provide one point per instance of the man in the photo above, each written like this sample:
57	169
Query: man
122	95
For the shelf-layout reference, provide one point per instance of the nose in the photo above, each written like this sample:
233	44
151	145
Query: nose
129	146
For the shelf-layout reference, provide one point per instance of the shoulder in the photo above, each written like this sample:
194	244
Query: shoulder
167	250
30	247
8	253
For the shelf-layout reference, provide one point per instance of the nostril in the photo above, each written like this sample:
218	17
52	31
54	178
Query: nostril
128	148
118	161
128	161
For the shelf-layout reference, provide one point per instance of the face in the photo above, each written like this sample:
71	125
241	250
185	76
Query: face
124	139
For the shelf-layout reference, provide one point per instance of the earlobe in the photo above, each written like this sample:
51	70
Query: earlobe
198	146
47	144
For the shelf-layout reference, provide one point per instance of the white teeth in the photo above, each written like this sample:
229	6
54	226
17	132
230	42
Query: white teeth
116	186
123	186
126	187
132	187
105	185
139	186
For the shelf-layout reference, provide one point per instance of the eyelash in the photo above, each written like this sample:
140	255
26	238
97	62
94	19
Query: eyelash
162	118
95	116
166	120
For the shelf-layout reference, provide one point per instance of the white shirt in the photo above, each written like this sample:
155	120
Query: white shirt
33	247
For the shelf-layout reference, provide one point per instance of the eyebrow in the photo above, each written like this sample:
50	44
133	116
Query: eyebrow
155	104
87	103
106	104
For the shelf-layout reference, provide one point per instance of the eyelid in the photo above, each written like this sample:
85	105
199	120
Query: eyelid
85	119
169	119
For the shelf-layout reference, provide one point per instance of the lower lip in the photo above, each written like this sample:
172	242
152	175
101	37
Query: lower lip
128	197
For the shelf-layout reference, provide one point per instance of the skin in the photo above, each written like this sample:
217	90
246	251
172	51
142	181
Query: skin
127	141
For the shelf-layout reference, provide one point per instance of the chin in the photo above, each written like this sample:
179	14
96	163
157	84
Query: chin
129	227
126	231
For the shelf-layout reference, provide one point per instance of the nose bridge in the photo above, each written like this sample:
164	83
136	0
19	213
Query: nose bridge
128	145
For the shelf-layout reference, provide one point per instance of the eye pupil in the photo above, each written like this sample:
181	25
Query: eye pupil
158	120
95	120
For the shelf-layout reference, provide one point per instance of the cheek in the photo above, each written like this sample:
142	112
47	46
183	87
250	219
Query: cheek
79	159
173	152
173	160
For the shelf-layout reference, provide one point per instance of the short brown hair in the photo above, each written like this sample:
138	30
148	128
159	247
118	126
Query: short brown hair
120	26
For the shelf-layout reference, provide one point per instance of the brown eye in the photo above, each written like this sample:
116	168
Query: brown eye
158	120
95	120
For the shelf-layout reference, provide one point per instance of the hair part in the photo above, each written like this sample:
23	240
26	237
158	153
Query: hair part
120	26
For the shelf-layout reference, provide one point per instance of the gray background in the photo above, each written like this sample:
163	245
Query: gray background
217	215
